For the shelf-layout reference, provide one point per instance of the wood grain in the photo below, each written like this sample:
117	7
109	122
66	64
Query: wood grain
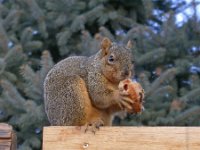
122	138
7	137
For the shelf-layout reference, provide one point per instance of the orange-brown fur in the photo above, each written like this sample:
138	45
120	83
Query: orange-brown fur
84	90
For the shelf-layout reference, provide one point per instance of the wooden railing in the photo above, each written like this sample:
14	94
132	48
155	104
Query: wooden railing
122	138
8	139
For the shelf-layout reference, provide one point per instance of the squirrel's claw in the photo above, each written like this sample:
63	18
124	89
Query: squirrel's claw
128	100
125	103
94	126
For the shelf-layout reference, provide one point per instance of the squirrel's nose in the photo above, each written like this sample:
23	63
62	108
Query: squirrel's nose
126	72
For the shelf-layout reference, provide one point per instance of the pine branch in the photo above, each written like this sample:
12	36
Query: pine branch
162	91
2	66
15	57
11	97
106	33
46	65
78	23
187	114
63	37
153	57
191	96
144	81
3	38
195	81
94	13
88	41
26	35
33	46
33	82
38	15
167	76
12	19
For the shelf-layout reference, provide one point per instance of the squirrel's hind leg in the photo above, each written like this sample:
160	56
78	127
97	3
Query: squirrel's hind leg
66	100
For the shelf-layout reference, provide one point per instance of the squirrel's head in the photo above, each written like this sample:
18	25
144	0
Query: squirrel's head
116	61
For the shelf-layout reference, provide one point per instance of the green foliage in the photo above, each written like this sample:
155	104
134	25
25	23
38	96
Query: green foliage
22	102
167	57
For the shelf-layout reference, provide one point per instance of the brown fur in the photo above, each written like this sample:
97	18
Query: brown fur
80	90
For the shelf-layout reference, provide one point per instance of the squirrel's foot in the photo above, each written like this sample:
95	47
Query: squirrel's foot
94	125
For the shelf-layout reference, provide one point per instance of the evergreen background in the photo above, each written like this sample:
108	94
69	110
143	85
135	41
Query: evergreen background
35	34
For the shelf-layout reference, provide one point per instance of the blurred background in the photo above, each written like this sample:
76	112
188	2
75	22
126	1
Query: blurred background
36	34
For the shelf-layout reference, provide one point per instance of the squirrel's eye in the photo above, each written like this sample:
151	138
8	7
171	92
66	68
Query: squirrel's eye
111	58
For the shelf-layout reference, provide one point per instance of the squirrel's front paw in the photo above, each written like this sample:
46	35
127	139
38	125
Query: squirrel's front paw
93	126
125	102
132	95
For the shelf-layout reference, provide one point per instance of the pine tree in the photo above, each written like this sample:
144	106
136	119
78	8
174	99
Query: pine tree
33	33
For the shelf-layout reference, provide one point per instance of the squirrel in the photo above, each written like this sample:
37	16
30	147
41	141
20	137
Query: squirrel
82	90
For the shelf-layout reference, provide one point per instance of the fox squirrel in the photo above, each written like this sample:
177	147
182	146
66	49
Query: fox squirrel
84	90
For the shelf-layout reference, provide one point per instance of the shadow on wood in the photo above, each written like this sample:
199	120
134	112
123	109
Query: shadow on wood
8	139
122	138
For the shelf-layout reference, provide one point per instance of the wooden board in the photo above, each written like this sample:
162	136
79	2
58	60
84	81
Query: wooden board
7	137
122	138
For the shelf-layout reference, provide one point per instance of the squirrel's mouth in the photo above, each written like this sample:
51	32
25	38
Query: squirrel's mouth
123	78
125	75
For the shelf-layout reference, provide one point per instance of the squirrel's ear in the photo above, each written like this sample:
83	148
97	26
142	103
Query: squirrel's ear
129	45
105	45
